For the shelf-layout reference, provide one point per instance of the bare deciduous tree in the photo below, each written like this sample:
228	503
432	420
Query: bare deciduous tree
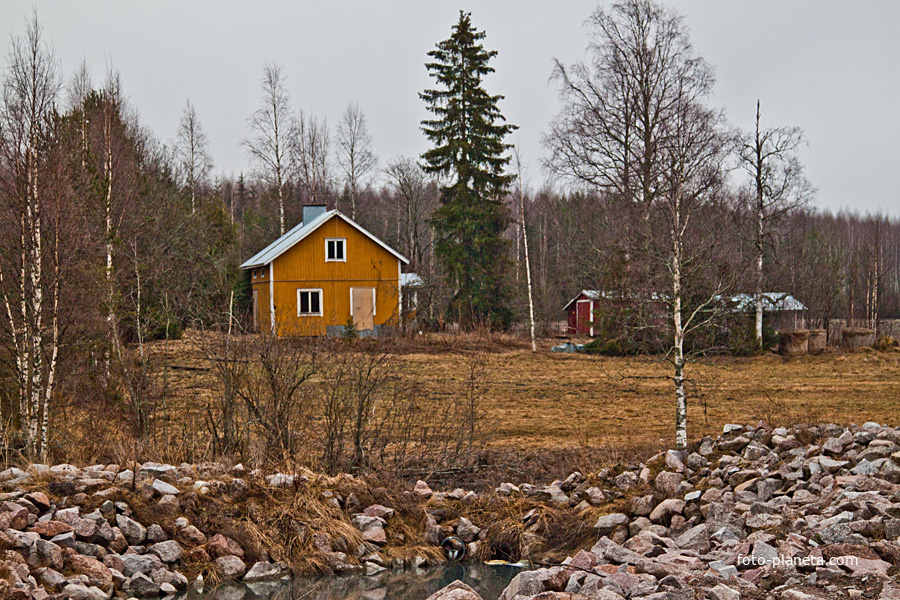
779	188
312	147
415	199
274	131
355	156
192	152
633	126
520	198
694	154
28	96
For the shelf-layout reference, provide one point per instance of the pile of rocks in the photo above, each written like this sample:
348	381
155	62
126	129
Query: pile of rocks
57	548
793	514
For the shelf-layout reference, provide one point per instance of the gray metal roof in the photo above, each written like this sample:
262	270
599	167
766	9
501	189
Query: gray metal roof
410	280
295	235
772	302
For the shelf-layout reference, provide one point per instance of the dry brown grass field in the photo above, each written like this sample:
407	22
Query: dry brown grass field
542	401
546	400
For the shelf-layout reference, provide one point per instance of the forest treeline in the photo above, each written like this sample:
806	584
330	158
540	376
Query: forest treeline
112	235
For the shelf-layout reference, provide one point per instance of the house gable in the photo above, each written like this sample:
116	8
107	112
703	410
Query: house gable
301	232
364	258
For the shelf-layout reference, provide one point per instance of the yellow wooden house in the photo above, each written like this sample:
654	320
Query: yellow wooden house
324	274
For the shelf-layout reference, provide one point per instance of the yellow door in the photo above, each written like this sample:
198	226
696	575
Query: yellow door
362	305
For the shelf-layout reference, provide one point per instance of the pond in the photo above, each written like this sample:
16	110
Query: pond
417	584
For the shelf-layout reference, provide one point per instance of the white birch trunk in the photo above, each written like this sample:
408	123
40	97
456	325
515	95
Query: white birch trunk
37	308
54	353
680	396
527	270
760	233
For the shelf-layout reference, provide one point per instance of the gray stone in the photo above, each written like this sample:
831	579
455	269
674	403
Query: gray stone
79	591
507	489
667	482
49	554
163	575
726	571
141	586
607	523
421	489
139	563
526	583
723	592
831	465
230	566
372	528
164	489
456	591
64	540
695	538
133	531
263	571
666	509
764	553
864	467
156	534
169	551
695	461
675	460
466	531
153	469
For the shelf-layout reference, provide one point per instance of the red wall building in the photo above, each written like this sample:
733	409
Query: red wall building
580	311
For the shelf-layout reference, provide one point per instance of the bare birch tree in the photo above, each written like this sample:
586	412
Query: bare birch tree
79	88
631	119
780	188
694	153
273	141
523	224
312	149
355	156
414	201
29	92
192	152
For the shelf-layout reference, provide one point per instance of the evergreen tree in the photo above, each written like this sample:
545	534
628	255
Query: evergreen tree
467	133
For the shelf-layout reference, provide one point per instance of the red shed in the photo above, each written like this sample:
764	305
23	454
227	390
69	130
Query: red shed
580	311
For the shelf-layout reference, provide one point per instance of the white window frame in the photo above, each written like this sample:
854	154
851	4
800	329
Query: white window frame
321	302
374	299
343	242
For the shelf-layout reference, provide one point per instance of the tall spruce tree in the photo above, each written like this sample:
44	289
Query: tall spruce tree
467	133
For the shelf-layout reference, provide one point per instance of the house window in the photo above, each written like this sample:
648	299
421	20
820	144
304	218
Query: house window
334	250
309	303
254	273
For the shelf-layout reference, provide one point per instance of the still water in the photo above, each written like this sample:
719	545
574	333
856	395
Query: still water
488	580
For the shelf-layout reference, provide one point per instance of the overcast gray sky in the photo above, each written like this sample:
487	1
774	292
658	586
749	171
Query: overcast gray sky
829	67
